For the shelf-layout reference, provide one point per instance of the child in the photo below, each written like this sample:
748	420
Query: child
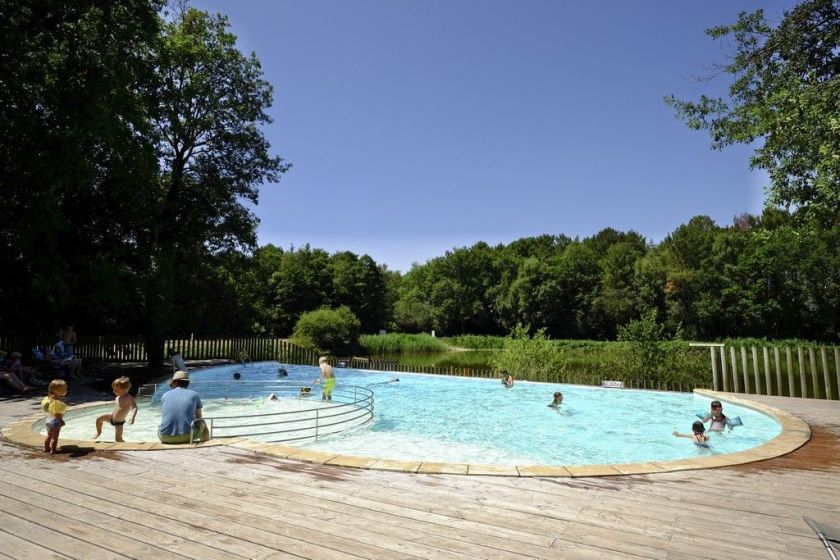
507	381
55	407
122	405
558	400
717	417
329	378
697	435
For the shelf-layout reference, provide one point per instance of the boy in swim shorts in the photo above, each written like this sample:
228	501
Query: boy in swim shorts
123	404
328	377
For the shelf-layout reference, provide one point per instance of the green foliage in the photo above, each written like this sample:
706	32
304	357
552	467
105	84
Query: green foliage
529	357
782	98
328	331
650	359
476	342
399	343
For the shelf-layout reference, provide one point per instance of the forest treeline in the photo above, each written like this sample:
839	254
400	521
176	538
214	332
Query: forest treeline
131	149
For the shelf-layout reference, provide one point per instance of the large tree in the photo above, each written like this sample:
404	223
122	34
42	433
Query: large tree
785	96
73	151
209	102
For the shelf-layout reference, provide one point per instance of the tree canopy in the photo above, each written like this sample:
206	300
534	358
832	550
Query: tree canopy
785	95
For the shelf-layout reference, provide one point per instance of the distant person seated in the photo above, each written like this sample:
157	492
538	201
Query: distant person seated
507	380
13	364
67	337
177	360
70	366
558	400
10	376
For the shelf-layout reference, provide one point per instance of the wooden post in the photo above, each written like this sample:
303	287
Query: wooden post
736	387
777	359
755	371
826	375
837	367
766	355
789	362
724	371
714	369
803	386
745	369
814	377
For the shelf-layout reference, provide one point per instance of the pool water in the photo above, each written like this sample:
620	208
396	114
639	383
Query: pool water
466	420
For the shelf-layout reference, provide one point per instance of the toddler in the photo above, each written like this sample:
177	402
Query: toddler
123	404
55	407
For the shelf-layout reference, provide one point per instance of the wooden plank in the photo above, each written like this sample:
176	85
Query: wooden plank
789	363
745	369
778	363
826	373
13	547
755	370
768	387
734	362
814	376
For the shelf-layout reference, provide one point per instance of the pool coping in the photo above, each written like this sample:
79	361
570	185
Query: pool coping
795	433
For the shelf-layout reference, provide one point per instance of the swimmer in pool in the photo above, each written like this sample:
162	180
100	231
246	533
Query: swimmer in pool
558	400
507	381
716	416
273	397
697	434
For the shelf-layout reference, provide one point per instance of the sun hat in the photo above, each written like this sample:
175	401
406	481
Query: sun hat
180	375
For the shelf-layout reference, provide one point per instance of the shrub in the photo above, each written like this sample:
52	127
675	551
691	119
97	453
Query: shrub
534	357
334	331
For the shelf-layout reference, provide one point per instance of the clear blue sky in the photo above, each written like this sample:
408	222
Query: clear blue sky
418	126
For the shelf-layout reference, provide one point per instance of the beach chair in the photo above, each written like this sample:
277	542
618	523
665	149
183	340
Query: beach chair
828	535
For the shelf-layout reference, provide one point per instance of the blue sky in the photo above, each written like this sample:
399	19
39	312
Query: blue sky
418	126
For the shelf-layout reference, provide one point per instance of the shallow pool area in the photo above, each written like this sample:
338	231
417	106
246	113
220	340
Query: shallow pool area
466	420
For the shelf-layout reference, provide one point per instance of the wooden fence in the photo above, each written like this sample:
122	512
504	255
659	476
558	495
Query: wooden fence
570	378
805	371
117	349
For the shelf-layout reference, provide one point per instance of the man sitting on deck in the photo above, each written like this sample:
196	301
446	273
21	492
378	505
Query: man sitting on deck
178	408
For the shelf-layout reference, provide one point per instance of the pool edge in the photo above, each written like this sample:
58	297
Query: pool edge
795	433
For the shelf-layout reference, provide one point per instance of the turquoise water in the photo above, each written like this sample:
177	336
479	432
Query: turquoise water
465	420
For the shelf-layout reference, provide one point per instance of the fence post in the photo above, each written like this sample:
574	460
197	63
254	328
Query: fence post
802	384
745	369
826	375
789	362
724	371
814	376
755	370
837	367
736	388
766	355
714	369
777	359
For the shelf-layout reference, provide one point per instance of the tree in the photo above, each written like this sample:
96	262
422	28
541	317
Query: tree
209	101
784	94
74	149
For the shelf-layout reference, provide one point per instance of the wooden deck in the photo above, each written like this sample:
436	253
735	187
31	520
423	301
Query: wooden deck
228	503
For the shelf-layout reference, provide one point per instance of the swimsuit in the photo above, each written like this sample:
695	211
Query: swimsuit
115	423
329	385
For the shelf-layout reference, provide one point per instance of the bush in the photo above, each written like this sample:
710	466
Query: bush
476	341
328	331
536	358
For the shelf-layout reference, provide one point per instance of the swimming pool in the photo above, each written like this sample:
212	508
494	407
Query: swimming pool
458	420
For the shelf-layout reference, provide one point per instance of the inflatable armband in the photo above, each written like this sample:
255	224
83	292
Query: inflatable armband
732	422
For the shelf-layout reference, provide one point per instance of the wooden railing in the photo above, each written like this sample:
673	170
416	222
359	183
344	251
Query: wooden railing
117	349
805	371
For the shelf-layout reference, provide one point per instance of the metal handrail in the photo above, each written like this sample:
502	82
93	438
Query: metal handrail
352	404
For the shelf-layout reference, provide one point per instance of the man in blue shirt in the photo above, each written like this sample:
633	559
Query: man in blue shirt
179	407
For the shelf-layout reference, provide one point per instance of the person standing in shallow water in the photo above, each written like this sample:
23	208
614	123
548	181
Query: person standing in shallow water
328	378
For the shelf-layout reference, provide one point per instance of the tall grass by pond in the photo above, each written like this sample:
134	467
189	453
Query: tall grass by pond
400	343
476	341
